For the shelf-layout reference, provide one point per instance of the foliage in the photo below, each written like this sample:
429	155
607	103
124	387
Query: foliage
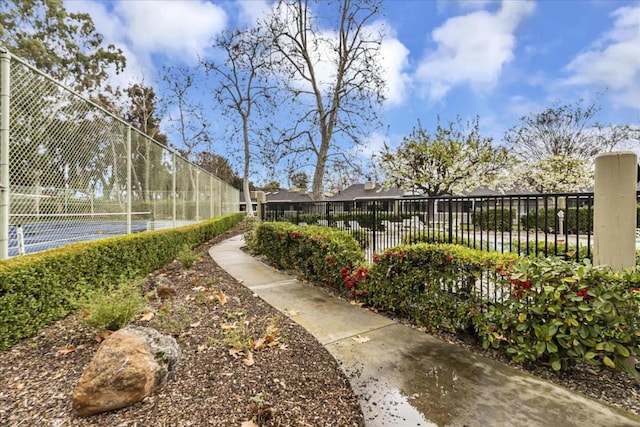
553	174
494	219
566	130
331	73
187	257
431	284
558	312
62	44
220	167
453	159
322	255
114	309
39	288
546	220
299	180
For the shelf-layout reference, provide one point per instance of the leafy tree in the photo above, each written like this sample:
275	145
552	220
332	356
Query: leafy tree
299	180
332	74
242	88
219	166
62	44
566	130
555	174
272	186
453	159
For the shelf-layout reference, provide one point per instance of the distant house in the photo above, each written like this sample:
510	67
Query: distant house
355	197
282	200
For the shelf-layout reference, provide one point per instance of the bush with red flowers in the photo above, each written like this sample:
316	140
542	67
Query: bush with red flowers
558	312
319	254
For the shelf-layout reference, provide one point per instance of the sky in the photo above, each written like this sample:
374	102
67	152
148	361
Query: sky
498	60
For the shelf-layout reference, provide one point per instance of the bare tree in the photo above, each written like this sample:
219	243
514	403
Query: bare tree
331	69
186	118
566	130
242	87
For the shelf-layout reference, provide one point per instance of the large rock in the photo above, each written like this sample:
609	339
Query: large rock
130	365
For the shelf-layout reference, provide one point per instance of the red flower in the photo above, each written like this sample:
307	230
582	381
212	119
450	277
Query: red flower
296	234
376	259
330	260
583	293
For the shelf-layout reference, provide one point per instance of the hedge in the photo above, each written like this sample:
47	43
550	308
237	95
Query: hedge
322	255
494	219
434	285
39	288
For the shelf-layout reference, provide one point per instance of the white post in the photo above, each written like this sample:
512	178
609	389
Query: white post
20	237
129	166
173	189
4	152
614	210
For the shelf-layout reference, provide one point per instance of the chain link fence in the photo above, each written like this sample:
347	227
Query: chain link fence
70	171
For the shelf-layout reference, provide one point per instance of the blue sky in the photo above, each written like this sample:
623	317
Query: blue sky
495	59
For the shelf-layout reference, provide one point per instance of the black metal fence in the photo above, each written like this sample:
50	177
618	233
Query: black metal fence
540	224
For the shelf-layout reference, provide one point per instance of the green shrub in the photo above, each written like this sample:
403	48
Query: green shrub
494	219
321	254
114	310
187	257
39	288
558	312
436	286
546	220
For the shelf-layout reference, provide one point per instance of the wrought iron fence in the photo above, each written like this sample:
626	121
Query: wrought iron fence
71	171
536	224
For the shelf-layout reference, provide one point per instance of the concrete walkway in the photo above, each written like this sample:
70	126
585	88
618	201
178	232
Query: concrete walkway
404	377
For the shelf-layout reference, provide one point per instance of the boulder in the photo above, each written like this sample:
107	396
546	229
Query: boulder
130	365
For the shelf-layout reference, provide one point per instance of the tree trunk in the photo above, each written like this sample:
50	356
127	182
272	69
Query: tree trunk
245	177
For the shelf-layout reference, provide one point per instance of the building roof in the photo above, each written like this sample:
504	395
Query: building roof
365	191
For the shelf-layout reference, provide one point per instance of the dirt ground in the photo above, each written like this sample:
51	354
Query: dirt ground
242	362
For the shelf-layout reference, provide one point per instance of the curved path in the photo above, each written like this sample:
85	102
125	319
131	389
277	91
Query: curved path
404	377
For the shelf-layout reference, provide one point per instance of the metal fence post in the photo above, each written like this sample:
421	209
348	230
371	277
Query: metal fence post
5	59
129	166
197	194
174	208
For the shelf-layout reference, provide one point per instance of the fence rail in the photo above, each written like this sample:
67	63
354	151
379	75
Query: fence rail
67	165
537	224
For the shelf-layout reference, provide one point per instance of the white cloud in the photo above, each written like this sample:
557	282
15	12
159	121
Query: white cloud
252	10
173	28
613	61
394	59
471	49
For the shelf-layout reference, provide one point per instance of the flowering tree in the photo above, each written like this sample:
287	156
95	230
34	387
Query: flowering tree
555	174
453	159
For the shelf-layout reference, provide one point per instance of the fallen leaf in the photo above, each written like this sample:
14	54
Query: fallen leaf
360	339
248	361
220	296
198	288
249	423
195	325
66	350
356	303
103	335
291	312
235	352
147	315
202	347
259	344
189	298
228	326
283	346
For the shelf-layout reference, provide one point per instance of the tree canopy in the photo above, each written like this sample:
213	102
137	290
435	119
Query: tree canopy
62	44
454	158
566	130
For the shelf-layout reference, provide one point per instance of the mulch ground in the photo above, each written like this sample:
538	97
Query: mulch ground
243	363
